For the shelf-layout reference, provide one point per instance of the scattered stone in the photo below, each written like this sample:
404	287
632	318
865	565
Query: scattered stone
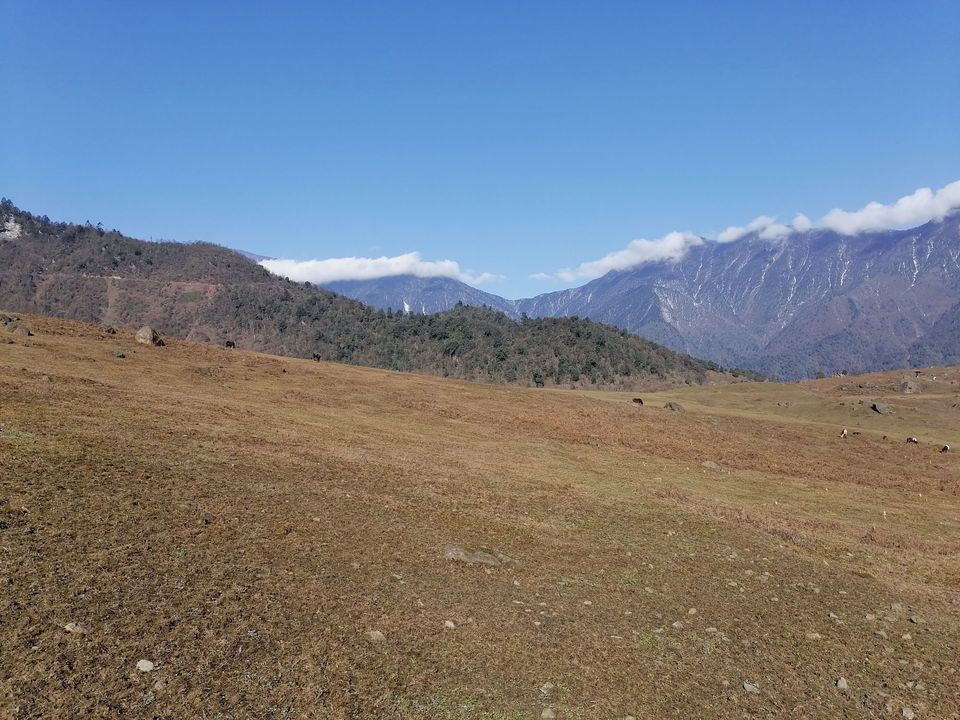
881	408
478	557
915	620
908	387
677	625
75	628
546	689
145	666
908	713
814	636
548	714
710	630
375	636
692	611
906	636
751	687
148	336
842	684
450	625
675	407
119	354
710	465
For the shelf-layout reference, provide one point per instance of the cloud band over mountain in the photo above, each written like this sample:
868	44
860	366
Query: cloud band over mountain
919	207
330	270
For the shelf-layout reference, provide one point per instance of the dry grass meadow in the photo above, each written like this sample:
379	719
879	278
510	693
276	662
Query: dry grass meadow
243	522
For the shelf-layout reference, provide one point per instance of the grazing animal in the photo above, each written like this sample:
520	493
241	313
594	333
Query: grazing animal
230	344
844	433
638	401
912	440
316	356
945	448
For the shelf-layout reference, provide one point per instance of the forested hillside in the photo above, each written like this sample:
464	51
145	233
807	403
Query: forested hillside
208	293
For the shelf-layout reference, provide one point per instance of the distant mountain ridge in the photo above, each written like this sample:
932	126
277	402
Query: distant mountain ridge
409	293
816	301
208	293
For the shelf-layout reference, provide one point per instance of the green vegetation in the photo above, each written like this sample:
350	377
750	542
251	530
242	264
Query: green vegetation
205	292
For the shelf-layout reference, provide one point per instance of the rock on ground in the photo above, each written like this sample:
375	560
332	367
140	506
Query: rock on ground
148	336
375	636
478	557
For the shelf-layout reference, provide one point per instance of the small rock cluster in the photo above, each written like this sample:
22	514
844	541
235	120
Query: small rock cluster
14	326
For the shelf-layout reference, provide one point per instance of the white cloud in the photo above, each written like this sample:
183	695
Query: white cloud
671	246
765	226
801	222
922	206
361	268
735	233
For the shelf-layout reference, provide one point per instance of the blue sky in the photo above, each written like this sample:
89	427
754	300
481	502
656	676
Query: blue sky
512	138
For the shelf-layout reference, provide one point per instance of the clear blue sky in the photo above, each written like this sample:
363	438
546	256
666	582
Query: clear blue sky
512	137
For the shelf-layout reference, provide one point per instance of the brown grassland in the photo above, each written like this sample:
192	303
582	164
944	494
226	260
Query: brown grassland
242	521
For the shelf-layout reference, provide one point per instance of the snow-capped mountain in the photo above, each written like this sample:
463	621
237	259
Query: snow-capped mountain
815	301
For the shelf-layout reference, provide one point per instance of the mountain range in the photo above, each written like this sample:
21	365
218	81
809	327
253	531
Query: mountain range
208	293
814	301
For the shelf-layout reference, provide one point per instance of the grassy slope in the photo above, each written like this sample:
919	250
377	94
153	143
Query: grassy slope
242	520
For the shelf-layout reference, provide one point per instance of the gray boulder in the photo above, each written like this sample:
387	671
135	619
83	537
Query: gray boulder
148	336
